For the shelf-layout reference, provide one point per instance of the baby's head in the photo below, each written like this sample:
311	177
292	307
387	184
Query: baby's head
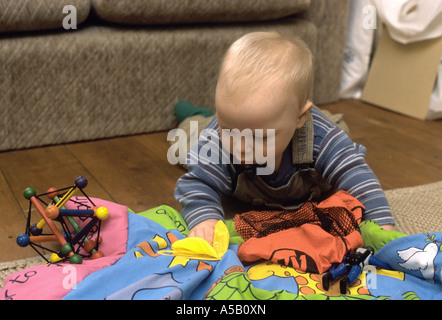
264	83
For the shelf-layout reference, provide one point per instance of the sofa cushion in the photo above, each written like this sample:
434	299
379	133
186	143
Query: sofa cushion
98	81
192	11
29	15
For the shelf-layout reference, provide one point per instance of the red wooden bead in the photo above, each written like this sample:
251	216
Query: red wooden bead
97	254
89	245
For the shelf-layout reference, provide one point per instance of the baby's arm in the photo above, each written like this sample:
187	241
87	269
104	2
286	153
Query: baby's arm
388	227
342	163
198	191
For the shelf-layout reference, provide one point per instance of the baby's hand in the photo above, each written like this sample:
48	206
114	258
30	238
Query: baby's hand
204	230
388	227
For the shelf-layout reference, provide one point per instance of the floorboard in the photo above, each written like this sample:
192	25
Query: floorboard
402	151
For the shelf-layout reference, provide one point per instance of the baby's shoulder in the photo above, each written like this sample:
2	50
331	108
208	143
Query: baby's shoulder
323	124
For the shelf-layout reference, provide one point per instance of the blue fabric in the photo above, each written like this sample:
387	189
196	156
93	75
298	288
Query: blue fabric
143	274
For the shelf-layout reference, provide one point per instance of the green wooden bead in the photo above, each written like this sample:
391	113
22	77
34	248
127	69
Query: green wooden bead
29	192
76	259
66	249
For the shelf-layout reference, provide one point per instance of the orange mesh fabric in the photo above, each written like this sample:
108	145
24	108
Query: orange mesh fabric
310	239
336	215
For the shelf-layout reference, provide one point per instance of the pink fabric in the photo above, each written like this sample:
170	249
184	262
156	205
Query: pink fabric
54	281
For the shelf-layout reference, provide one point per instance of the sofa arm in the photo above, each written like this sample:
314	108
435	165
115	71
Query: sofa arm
330	17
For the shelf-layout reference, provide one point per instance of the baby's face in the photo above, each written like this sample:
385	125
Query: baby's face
270	114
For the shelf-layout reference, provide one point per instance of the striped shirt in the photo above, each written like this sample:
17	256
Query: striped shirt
335	156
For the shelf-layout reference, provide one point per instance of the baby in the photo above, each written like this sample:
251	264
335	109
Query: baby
264	84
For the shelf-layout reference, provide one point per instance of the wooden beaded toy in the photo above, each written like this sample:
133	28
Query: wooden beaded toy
76	242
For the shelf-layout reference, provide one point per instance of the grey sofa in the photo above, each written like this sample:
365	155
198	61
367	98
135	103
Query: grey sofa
128	62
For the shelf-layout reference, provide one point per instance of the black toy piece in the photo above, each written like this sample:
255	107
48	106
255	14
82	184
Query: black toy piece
351	267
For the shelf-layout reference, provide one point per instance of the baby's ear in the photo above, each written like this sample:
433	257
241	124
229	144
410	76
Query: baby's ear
304	113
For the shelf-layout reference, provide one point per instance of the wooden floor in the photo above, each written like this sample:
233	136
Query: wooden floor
134	171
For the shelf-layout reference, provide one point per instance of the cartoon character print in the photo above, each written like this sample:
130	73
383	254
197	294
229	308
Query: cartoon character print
308	283
166	282
422	260
148	248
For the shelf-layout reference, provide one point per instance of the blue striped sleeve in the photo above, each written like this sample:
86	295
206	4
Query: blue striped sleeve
342	163
198	191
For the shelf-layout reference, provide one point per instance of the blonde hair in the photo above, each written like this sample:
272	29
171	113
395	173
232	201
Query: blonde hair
260	57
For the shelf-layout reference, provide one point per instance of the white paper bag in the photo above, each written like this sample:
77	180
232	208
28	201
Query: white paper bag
358	47
411	20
